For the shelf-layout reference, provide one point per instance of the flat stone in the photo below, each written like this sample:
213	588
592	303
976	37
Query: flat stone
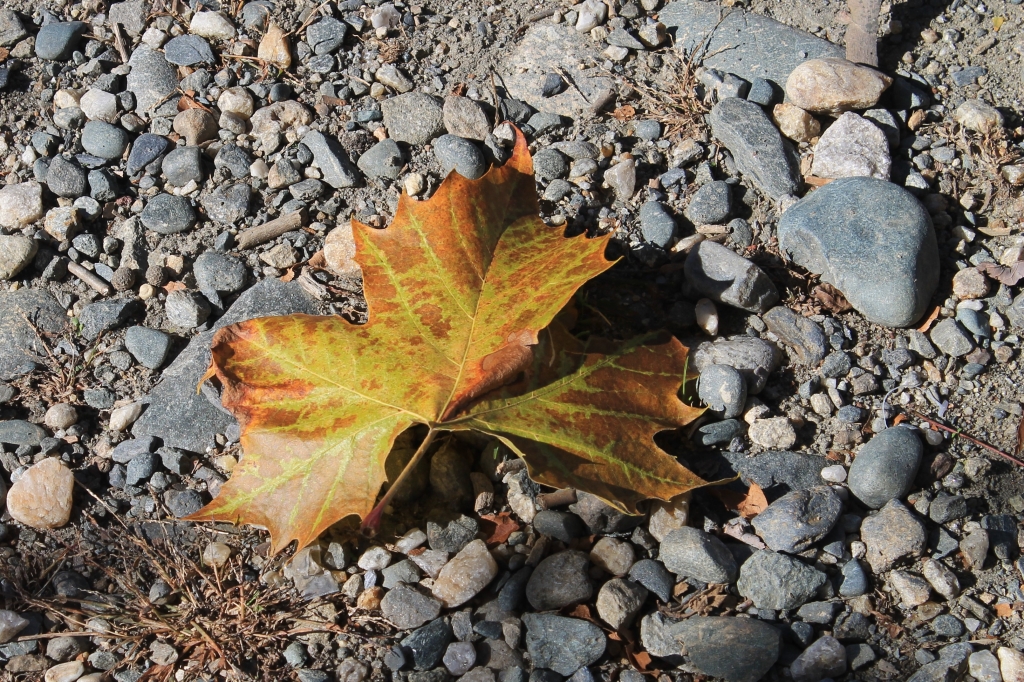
103	316
41	498
753	357
710	204
130	14
183	165
723	389
21	432
66	178
801	334
734	649
186	309
757	146
776	581
892	534
326	36
466	575
776	433
152	79
383	159
227	204
460	155
852	147
57	40
16	252
657	224
655	577
798	519
99	105
885	468
407	608
559	580
426	646
12	29
979	116
168	214
104	140
870	239
21	204
466	118
188	50
562	644
331	159
693	553
212	25
831	86
414	118
149	346
950	338
21	350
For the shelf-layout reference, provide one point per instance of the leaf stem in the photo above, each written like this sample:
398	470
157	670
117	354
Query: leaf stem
371	524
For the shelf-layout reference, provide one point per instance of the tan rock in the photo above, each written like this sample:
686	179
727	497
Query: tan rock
195	125
63	222
41	498
795	123
913	589
274	47
16	251
667	516
123	417
1011	664
613	555
21	204
969	283
775	433
237	101
466	575
65	672
60	416
340	251
280	117
832	86
852	147
370	599
978	116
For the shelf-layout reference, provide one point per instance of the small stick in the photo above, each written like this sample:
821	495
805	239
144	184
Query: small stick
122	49
90	278
260	234
961	434
559	498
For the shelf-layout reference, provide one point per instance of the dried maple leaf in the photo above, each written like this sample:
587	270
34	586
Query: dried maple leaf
831	298
1009	276
461	292
498	527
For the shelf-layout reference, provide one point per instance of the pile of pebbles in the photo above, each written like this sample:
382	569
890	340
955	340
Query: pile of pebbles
167	174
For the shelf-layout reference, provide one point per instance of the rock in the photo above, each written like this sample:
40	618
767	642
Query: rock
104	140
211	25
734	649
757	146
951	339
404	571
621	178
21	432
693	553
57	40
892	534
98	105
426	646
943	580
465	118
407	608
60	416
195	125
798	519
12	29
227	204
970	283
801	334
182	166
720	274
131	14
168	214
149	347
10	625
825	658
885	468
460	155
655	577
331	159
326	36
414	118
235	159
186	309
795	123
870	239
453	535
549	164
978	116
776	433
562	644
666	517
1011	664
710	204
657	224
723	389
613	555
383	159
42	497
65	672
394	78
619	601
564	526
220	273
340	251
152	79
913	589
188	50
66	178
466	575
559	580
602	518
855	581
16	252
832	86
984	666
852	147
21	204
236	100
753	357
776	581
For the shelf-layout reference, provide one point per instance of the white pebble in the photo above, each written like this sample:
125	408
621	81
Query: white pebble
707	316
834	474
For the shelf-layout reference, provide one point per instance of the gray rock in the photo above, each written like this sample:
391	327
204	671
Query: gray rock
692	553
654	576
950	338
21	432
710	204
21	349
104	140
776	581
181	503
734	649
657	224
176	413
870	239
16	253
219	273
227	204
168	214
326	35
414	118
66	178
466	118
383	159
851	147
647	129
724	276
559	580
182	165
57	40
945	507
564	526
12	30
720	432
562	644
778	471
140	468
892	534
331	159
126	451
855	580
426	646
408	608
235	159
404	571
600	517
151	79
188	50
836	364
801	334
826	657
103	316
798	519
619	601
550	164
131	15
186	309
753	357
460	155
761	92
723	389
149	346
743	43
757	146
886	466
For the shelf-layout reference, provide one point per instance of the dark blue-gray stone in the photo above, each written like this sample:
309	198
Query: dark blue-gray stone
103	316
460	155
743	43
723	389
426	645
66	178
383	159
235	159
227	205
655	577
188	50
103	186
23	314
562	644
148	346
219	273
885	468
710	204
104	140
168	214
326	35
855	580
146	149
798	519
777	471
21	432
870	239
57	40
152	80
720	432
182	165
564	526
128	450
550	164
733	649
331	159
657	224
757	146
777	581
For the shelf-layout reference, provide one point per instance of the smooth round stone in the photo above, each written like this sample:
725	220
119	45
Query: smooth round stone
466	575
693	553
831	85
723	389
149	347
655	577
168	214
657	224
16	252
710	204
66	178
146	149
550	164
798	519
886	466
21	204
564	526
42	497
220	273
383	159
647	130
559	580
188	50
104	140
461	155
57	40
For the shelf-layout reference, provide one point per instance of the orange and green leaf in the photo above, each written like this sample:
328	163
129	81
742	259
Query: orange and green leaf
462	291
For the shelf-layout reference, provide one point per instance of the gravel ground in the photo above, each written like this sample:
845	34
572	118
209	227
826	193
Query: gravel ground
827	239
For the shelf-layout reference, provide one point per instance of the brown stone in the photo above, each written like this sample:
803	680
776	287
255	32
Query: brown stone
832	86
795	123
466	575
41	498
340	251
274	47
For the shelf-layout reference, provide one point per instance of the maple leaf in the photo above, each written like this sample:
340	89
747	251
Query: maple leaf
461	292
